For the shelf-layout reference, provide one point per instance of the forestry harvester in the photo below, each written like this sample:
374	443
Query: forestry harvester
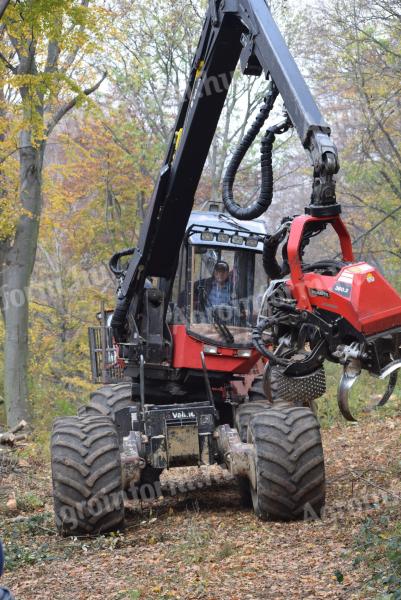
215	350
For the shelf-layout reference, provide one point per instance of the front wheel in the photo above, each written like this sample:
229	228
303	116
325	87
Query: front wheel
87	476
289	481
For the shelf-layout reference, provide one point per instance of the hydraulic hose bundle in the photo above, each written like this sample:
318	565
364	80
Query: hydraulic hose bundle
259	206
259	344
270	247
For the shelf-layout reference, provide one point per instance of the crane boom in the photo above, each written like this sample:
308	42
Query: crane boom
233	30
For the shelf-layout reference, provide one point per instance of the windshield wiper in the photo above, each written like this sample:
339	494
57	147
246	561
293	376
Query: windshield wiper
225	332
221	327
231	221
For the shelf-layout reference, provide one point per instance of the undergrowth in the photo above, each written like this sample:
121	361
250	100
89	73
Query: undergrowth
378	545
364	394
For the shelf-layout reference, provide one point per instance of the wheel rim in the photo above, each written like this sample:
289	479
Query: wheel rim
253	480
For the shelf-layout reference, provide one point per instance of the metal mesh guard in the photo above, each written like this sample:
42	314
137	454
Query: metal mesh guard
300	390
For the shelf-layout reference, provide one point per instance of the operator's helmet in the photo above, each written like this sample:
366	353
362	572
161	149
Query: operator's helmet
221	265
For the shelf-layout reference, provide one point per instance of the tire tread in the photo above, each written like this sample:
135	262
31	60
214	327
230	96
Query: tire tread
289	463
85	468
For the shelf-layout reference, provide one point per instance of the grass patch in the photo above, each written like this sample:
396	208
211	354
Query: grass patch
29	502
194	547
34	525
23	545
225	551
364	393
378	545
34	539
129	595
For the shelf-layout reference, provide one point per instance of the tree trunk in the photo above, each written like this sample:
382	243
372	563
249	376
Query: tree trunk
19	262
16	355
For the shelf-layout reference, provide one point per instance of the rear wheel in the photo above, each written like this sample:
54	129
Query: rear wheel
289	464
257	401
245	413
256	391
87	476
109	399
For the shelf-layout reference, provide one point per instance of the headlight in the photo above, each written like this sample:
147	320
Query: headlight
210	350
207	236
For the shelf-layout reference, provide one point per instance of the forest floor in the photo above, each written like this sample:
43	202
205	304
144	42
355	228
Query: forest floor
201	544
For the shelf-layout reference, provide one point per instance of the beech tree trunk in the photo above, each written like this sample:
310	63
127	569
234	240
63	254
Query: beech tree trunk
18	265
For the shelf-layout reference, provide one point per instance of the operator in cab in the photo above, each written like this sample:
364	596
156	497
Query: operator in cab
214	291
218	287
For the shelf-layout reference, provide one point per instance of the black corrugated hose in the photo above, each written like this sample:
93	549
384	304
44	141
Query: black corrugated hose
257	341
259	206
270	263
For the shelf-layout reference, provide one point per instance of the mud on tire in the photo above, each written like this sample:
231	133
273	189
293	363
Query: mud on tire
290	475
86	475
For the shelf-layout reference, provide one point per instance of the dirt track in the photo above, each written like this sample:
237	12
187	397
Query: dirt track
203	545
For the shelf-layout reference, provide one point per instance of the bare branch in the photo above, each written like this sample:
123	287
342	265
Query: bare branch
7	63
364	202
117	139
376	225
69	105
73	55
4	158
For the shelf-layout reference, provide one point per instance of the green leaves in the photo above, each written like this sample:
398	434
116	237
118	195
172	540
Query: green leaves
339	576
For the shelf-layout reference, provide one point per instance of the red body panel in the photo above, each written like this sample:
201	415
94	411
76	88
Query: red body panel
359	293
187	351
293	249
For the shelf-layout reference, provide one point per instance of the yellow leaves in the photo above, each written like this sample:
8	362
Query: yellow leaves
92	180
78	383
8	219
50	39
86	169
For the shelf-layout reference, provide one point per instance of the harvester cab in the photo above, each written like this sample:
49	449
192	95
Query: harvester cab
217	293
214	302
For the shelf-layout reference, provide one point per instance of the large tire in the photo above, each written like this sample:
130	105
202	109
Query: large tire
245	413
87	476
256	403
256	391
289	464
107	400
